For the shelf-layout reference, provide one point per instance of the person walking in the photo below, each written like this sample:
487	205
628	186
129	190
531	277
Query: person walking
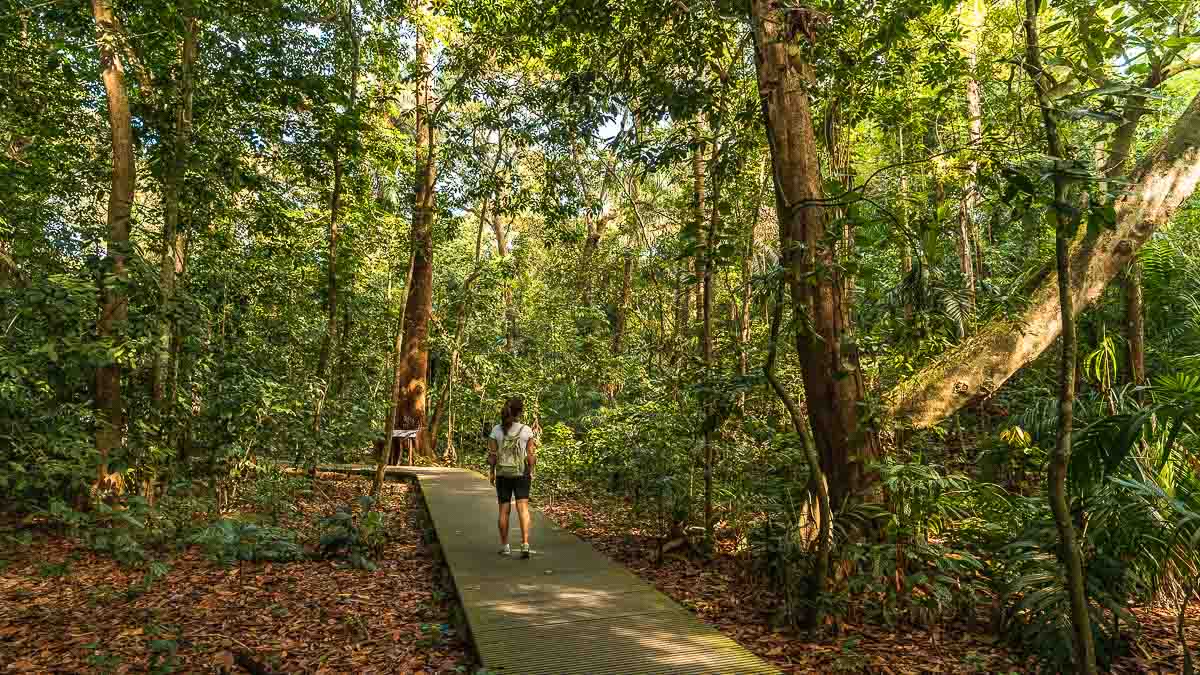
512	456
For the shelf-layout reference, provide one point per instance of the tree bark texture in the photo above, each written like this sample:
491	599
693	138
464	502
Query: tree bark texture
1163	180
833	383
113	303
414	357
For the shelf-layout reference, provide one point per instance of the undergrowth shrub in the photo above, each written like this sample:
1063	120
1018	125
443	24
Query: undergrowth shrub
228	541
356	534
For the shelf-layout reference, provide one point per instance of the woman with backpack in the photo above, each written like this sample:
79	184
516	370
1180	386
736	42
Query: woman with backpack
512	459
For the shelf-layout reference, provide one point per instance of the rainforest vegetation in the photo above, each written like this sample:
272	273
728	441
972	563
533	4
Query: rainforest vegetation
892	306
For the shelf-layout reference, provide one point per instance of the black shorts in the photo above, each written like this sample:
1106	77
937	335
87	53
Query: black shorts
506	488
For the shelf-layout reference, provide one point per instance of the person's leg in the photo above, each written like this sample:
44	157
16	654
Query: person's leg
504	522
523	518
521	492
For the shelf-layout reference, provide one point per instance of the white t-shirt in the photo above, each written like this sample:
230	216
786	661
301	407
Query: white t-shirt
525	435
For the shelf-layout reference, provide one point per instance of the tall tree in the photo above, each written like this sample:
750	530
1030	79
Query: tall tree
414	354
113	302
833	383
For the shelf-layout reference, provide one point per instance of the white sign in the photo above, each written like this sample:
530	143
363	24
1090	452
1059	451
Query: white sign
404	433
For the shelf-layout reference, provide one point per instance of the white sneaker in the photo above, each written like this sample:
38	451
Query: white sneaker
507	550
525	551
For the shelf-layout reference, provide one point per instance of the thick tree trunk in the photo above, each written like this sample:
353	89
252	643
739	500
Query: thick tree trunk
414	361
1085	651
1163	181
171	262
114	307
833	382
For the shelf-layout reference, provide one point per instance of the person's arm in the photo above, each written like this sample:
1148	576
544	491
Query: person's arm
493	453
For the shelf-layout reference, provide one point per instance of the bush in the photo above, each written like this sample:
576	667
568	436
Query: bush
227	541
357	537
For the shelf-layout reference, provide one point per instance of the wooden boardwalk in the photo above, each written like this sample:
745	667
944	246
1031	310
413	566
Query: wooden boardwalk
568	609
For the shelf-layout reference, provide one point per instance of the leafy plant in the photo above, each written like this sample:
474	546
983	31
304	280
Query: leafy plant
358	535
228	541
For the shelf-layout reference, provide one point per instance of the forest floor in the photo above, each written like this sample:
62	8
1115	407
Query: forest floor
64	608
726	593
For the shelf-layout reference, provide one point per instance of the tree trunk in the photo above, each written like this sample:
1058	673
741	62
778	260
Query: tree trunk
510	317
114	307
1118	155
1135	322
171	265
970	201
1163	181
833	382
1085	652
825	512
342	369
623	304
706	342
414	361
328	343
698	205
389	423
595	226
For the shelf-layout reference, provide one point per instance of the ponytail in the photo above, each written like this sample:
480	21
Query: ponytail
511	412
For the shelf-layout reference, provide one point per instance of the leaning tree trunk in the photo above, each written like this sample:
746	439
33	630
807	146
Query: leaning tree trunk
171	264
833	382
114	307
414	357
1164	179
1085	650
